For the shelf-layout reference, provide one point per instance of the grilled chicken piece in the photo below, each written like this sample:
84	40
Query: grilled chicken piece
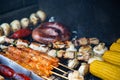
75	76
1	77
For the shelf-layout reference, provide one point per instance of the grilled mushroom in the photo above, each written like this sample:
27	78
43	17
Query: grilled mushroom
41	14
100	49
1	31
33	19
25	22
6	28
15	25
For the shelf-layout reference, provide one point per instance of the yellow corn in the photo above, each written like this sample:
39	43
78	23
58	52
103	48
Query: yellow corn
104	70
118	40
112	57
115	47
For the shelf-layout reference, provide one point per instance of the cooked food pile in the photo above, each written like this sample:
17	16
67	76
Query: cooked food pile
49	45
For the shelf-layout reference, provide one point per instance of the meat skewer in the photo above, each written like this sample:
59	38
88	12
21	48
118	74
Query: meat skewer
45	65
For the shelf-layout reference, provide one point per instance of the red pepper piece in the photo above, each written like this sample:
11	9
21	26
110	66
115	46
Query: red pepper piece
6	71
20	76
21	33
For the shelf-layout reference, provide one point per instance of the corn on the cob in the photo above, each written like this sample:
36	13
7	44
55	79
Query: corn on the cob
118	40
115	47
104	70
112	57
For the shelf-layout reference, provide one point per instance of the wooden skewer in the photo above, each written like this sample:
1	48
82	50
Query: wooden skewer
59	69
65	66
45	77
59	75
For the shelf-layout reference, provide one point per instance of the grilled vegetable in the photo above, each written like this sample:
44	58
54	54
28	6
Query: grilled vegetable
25	22
21	33
41	14
6	28
1	31
118	41
100	49
15	25
112	57
33	19
105	70
115	47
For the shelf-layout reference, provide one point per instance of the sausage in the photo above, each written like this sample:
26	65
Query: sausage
20	76
6	71
21	33
46	35
50	32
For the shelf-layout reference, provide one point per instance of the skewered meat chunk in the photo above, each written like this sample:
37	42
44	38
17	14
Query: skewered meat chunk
39	47
38	62
73	63
75	76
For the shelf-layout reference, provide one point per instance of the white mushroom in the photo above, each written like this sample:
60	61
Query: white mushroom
94	58
41	14
52	53
1	31
83	69
100	49
33	19
6	28
73	63
15	25
25	22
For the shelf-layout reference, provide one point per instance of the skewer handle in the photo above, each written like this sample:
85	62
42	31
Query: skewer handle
65	66
59	75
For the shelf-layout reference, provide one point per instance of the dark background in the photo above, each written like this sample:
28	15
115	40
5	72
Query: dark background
90	18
